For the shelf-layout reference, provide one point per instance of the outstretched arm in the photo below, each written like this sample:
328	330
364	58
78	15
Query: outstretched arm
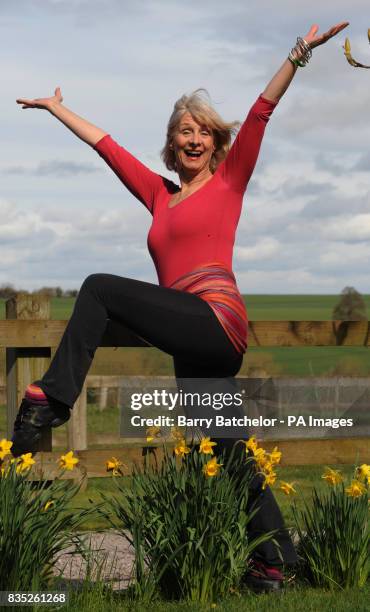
282	79
242	157
88	132
140	180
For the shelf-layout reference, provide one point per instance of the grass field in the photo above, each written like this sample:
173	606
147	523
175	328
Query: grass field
297	598
259	307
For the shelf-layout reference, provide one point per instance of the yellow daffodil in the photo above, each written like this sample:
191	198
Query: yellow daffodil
48	505
263	462
206	445
251	444
287	487
114	466
332	477
24	462
260	455
275	456
347	53
153	432
363	472
269	479
68	461
212	468
181	449
176	434
5	446
266	465
356	489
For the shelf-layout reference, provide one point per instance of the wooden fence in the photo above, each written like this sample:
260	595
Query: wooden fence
30	339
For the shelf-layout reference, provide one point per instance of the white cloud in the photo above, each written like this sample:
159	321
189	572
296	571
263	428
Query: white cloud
264	249
348	228
286	281
52	245
346	256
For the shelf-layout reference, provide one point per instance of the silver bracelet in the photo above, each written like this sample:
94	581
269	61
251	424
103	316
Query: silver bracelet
301	53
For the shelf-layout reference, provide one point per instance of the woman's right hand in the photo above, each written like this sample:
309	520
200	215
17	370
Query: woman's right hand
88	132
44	103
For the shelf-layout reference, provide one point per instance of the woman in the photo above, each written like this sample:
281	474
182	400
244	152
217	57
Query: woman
196	313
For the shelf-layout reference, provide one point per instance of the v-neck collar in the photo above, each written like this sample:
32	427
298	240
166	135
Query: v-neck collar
190	195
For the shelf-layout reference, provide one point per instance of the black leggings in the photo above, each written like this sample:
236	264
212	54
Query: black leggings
178	323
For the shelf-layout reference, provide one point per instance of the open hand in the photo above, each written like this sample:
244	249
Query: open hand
44	103
315	41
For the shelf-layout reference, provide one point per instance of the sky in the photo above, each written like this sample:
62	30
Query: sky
305	225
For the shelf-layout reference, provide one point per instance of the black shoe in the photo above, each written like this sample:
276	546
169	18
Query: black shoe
263	578
31	420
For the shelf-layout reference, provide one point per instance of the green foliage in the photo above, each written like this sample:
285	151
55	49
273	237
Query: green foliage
189	531
334	532
295	599
30	534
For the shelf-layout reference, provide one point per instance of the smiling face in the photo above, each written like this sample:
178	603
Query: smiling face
193	145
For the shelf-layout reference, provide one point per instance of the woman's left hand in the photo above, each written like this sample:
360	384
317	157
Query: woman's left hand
315	41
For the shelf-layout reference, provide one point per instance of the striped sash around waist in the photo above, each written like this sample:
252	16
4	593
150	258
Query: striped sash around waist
217	286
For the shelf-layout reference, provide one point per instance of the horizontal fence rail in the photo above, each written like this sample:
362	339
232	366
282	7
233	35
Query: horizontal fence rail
43	333
92	463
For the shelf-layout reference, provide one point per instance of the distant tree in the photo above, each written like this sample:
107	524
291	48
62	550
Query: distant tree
7	291
71	293
49	291
351	306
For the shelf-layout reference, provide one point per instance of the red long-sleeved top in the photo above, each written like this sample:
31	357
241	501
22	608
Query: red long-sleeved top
201	228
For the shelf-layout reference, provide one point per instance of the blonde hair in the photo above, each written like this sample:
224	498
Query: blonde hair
198	105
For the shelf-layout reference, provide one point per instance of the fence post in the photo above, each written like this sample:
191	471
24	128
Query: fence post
77	424
103	398
24	365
